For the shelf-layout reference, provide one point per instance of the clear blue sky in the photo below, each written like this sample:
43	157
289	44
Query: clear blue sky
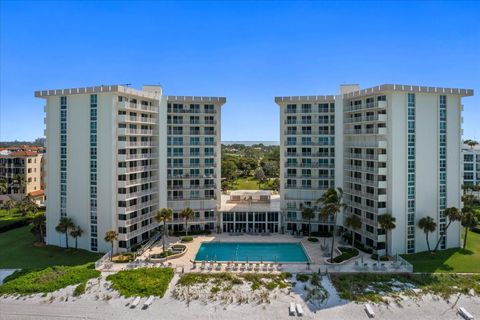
246	51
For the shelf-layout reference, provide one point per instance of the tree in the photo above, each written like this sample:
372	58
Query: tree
3	186
276	184
187	214
471	143
270	168
229	170
64	226
75	233
387	222
308	214
163	215
38	228
469	220
453	215
260	176
111	236
331	201
26	206
9	204
428	225
353	222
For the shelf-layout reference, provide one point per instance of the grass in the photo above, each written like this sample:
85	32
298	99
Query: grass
142	282
249	183
18	252
10	217
347	253
372	287
451	260
48	280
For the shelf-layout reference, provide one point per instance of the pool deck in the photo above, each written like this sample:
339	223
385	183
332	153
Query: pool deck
313	250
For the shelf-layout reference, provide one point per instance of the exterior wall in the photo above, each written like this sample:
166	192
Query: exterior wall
471	165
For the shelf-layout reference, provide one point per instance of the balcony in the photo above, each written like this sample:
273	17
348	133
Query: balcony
366	131
133	132
363	156
124	105
137	194
382	144
374	118
366	106
136	144
136	156
375	170
125	210
134	119
131	183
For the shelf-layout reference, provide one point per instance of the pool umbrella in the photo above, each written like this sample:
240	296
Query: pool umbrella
247	259
362	259
261	259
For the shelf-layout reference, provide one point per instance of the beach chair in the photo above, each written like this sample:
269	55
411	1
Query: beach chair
242	267
135	302
291	309
369	310
270	267
148	302
219	267
257	267
299	310
235	266
465	314
250	267
279	267
265	267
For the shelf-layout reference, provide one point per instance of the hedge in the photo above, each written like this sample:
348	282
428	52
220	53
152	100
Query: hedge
7	225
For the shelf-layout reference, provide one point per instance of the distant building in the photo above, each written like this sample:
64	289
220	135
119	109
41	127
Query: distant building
471	165
21	169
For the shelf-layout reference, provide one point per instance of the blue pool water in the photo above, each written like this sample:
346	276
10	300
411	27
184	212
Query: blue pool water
267	252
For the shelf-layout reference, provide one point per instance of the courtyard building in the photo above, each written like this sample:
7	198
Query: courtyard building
471	165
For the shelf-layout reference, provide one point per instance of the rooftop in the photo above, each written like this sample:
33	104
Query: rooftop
98	89
244	205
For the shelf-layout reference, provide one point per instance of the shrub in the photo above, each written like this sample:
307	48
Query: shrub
374	256
187	239
347	253
80	289
7	225
475	229
313	239
142	282
303	277
361	247
49	279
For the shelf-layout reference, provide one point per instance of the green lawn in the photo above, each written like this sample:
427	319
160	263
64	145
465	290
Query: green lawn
142	282
17	251
48	280
451	260
249	183
8	217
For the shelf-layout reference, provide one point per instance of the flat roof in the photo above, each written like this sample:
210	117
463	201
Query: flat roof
250	193
98	89
221	100
273	205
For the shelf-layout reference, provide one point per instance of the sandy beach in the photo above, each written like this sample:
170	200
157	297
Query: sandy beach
101	302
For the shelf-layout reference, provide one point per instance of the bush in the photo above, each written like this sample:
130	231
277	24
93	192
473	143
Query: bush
7	225
347	253
475	229
142	282
313	239
303	277
323	234
49	279
360	246
187	239
80	289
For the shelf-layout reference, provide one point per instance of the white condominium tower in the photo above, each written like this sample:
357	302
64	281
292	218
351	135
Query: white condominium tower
471	165
106	161
194	149
392	148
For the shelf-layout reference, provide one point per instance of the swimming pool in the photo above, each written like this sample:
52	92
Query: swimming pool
253	252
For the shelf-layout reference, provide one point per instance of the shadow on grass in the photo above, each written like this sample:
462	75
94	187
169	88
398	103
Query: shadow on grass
431	262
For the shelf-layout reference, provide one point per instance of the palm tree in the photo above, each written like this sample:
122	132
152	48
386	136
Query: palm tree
187	214
469	220
75	233
3	186
427	224
471	143
353	222
331	201
163	215
39	225
453	215
387	223
64	225
308	214
111	236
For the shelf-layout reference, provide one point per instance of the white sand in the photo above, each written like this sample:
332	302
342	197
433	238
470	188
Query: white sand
102	303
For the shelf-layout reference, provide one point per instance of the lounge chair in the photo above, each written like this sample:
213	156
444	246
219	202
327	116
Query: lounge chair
465	314
219	267
270	267
291	309
369	310
265	267
242	267
257	267
135	302
235	266
249	267
279	267
299	310
148	302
